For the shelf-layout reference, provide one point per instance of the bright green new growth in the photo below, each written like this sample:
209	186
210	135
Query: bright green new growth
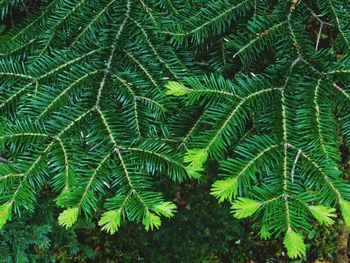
225	189
166	209
194	161
323	214
345	210
244	207
68	217
110	221
151	221
294	243
176	89
98	106
196	158
5	214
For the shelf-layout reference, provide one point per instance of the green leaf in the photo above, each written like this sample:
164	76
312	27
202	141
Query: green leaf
294	243
244	207
176	88
68	217
196	158
345	211
110	221
264	233
323	214
5	214
194	173
151	221
166	209
225	189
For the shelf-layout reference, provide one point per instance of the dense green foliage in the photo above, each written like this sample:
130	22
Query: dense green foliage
100	100
39	238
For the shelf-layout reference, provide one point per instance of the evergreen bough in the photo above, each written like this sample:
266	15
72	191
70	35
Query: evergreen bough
99	99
